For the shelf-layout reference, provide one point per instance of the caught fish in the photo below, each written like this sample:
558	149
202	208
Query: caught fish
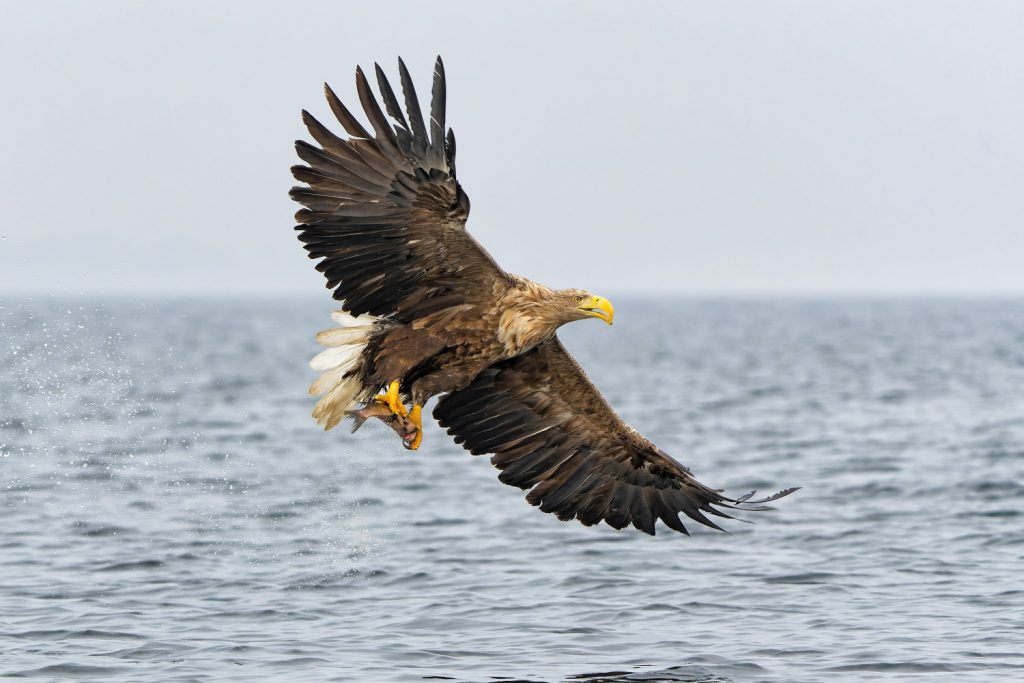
402	425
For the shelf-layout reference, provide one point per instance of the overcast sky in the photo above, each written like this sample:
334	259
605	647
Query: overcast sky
727	148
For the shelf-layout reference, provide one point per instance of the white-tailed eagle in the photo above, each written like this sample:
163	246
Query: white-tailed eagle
426	311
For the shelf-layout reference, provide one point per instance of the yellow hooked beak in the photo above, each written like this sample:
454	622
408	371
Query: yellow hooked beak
597	307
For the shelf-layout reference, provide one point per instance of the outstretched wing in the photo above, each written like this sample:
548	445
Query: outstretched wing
551	431
385	212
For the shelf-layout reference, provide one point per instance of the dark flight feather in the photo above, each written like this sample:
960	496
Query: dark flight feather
412	108
390	101
450	151
349	123
438	96
384	133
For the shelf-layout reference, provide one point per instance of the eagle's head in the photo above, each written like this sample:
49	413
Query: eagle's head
578	304
532	313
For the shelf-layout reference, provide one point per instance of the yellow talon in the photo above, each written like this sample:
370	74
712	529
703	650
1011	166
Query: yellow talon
392	400
394	403
416	417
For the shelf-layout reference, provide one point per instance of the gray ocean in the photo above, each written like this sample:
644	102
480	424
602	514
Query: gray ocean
170	512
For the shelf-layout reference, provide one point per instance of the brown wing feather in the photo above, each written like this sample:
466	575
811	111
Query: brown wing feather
550	430
384	211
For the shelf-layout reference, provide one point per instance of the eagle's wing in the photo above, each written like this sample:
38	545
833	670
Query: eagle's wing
549	429
384	210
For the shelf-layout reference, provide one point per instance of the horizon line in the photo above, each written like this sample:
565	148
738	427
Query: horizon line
624	294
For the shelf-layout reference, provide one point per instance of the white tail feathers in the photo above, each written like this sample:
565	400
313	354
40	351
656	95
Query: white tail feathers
341	336
336	356
340	383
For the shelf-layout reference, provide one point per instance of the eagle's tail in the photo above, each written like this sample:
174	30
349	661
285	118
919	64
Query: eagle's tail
341	382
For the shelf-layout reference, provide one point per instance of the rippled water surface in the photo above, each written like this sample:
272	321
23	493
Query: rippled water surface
171	513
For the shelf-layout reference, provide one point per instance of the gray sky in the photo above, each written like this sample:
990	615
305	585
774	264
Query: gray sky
761	147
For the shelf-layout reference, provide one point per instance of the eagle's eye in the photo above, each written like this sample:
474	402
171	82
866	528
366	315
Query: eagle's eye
577	299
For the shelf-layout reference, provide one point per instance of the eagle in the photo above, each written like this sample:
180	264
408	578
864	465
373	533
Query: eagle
426	311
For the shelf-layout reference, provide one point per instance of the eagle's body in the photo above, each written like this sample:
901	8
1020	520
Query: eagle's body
426	311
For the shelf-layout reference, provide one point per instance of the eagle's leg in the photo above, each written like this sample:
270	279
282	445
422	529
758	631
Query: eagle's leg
416	417
408	425
451	378
391	399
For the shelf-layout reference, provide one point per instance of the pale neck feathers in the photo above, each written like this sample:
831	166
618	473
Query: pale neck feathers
531	314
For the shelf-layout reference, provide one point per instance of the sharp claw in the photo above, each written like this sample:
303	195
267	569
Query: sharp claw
416	417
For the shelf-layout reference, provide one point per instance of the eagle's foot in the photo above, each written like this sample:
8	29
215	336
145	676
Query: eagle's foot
416	418
391	399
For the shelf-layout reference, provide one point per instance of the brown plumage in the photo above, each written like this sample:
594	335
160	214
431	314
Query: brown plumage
427	311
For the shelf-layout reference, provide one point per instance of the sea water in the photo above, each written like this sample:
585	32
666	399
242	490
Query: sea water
170	512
